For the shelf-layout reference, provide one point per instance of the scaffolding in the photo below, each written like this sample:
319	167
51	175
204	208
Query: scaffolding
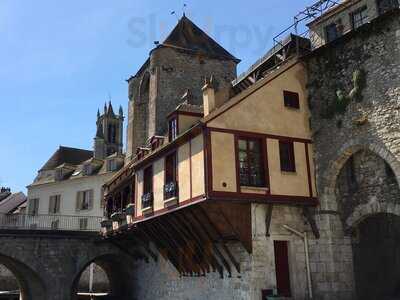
285	44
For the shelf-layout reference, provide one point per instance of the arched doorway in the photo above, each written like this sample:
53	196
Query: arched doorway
367	195
118	271
23	278
376	256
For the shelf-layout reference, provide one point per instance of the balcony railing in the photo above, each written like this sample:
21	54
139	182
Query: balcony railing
49	222
147	200
170	190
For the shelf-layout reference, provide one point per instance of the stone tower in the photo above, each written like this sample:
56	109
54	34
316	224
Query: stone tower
180	63
109	136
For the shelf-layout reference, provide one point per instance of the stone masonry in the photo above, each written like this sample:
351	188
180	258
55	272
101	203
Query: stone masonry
368	126
48	267
159	280
158	87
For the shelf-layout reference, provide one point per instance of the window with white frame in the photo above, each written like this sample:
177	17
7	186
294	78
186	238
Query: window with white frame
54	204
84	200
33	206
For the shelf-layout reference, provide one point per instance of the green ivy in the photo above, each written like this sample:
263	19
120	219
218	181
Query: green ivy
342	100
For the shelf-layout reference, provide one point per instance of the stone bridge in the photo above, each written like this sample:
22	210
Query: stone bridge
48	264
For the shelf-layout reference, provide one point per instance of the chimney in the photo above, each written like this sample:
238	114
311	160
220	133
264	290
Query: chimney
212	96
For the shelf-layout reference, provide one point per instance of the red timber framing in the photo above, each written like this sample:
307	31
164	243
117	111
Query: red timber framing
239	196
120	191
195	239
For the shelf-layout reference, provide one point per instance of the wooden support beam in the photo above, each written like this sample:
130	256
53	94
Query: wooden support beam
205	241
190	243
178	242
199	225
145	245
163	248
174	247
219	235
311	220
268	219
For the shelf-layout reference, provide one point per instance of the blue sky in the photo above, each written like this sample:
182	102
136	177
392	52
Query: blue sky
60	60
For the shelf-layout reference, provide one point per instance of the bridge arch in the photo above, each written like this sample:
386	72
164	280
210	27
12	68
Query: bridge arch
31	285
118	269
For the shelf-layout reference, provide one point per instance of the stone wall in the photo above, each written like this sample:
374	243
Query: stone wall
49	266
157	89
364	117
161	281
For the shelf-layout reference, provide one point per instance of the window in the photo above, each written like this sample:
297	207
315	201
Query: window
170	188
147	197
87	169
251	162
34	206
359	17
54	204
148	180
84	200
332	32
172	129
59	175
111	165
291	99
112	133
286	153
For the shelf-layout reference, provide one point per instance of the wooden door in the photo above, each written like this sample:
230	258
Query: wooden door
282	268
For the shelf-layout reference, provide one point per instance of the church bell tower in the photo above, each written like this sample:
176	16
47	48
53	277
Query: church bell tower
109	136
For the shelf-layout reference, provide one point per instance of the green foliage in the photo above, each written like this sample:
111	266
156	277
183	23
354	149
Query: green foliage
342	100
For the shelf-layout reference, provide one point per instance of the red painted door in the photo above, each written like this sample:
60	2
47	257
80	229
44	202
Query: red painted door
282	268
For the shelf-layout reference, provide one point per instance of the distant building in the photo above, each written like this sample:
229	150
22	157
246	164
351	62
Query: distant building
11	202
70	182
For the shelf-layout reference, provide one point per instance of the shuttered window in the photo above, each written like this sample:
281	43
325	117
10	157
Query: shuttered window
54	204
33	206
84	200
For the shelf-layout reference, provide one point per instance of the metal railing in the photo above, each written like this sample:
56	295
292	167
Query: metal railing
170	190
49	222
147	200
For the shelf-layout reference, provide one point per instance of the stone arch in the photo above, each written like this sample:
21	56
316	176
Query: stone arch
364	211
31	285
118	268
328	197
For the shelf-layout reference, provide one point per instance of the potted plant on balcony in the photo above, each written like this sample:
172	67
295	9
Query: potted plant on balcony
118	216
107	224
130	209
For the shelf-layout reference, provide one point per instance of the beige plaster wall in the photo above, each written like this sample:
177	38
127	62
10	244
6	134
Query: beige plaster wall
263	111
287	183
198	183
223	161
186	122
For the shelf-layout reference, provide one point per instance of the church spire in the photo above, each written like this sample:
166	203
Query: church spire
121	112
110	109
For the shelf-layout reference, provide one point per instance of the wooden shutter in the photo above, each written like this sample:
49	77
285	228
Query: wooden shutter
58	204
90	192
78	201
31	209
52	204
